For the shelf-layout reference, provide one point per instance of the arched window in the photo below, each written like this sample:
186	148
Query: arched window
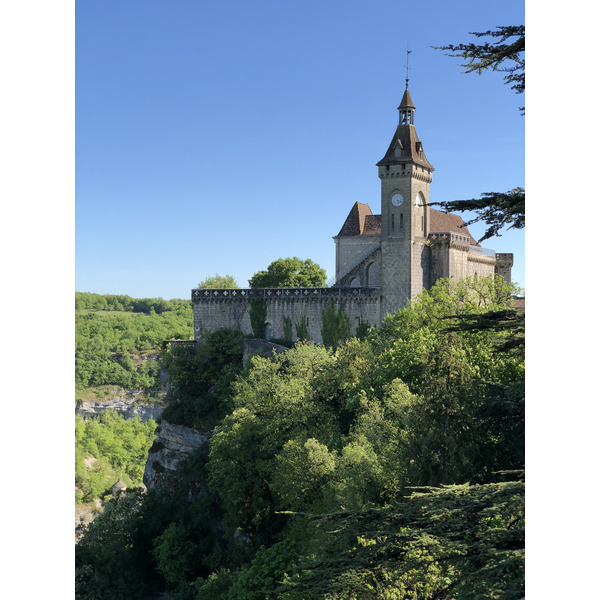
373	275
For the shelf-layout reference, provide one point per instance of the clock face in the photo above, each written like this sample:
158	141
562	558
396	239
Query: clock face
397	199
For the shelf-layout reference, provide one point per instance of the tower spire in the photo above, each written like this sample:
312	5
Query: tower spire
407	108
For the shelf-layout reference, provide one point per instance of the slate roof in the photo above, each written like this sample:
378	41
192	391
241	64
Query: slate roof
411	148
406	101
355	221
362	221
372	225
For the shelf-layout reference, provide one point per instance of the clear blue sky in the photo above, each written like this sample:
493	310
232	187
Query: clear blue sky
215	137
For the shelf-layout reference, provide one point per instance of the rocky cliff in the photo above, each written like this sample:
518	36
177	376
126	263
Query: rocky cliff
126	405
172	447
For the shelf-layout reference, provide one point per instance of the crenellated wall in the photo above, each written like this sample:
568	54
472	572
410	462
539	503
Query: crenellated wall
214	309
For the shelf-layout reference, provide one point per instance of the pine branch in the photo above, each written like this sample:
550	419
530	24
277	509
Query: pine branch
498	210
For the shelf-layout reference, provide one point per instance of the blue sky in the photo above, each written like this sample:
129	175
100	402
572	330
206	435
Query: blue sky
217	137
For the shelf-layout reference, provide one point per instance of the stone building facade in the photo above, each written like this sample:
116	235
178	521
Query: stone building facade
381	260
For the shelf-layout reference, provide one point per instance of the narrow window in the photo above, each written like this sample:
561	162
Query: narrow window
422	223
401	221
392	222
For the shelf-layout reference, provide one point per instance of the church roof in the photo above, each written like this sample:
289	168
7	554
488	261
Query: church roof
372	225
441	222
411	148
406	100
355	221
362	221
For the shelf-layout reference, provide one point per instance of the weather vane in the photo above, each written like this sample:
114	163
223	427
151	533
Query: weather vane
407	67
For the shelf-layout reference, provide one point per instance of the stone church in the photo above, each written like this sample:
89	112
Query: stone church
382	260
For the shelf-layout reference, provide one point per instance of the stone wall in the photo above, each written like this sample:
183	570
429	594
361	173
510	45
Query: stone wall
214	309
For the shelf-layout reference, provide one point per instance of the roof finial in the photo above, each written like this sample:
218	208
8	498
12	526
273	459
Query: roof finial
407	67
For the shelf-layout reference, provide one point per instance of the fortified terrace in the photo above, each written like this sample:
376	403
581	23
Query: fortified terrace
382	260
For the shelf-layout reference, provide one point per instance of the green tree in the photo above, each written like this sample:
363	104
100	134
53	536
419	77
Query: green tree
112	557
219	282
290	272
463	541
174	553
258	317
336	326
287	329
202	377
452	432
274	402
302	333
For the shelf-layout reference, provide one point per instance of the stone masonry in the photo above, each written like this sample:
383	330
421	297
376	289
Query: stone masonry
382	261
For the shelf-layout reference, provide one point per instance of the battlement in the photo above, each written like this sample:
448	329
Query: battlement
454	240
505	259
201	295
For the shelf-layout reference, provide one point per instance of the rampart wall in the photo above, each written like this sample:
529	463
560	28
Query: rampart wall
214	309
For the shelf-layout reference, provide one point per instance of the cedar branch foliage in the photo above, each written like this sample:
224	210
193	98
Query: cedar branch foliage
457	541
505	54
498	210
509	48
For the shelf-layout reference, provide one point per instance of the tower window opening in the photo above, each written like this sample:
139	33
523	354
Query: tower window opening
401	221
393	222
422	223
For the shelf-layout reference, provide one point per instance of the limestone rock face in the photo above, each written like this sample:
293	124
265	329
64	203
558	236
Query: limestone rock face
171	448
127	406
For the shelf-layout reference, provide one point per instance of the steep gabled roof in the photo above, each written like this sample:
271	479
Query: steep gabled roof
411	148
355	221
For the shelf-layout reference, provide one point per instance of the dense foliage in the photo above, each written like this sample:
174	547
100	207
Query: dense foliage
219	282
203	378
110	330
290	272
339	474
108	448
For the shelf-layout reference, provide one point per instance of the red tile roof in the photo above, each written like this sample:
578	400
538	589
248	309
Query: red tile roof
362	221
441	222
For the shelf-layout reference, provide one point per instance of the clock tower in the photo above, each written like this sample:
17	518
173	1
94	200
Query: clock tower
405	175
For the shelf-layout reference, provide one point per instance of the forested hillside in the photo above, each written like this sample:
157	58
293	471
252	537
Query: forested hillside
391	468
114	334
119	344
